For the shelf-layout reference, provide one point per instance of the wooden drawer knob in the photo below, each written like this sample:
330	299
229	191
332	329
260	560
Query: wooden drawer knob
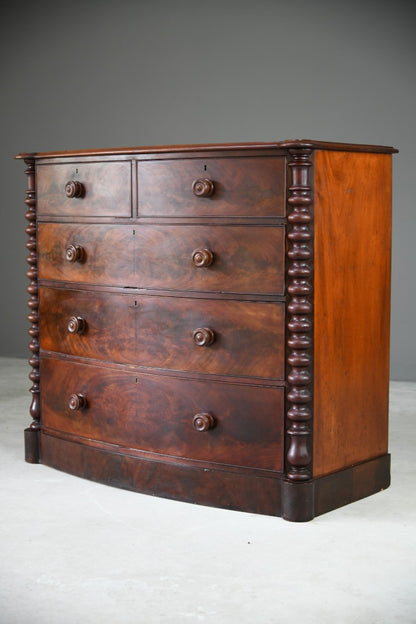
203	336
74	189
77	325
203	187
202	257
74	253
77	402
203	422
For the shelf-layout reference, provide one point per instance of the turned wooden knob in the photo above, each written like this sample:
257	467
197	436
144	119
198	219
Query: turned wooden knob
74	253
203	187
76	325
203	422
202	257
77	402
74	189
203	336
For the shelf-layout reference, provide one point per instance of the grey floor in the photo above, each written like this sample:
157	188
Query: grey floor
77	552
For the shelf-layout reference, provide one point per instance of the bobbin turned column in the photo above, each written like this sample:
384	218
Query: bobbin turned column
32	454
298	490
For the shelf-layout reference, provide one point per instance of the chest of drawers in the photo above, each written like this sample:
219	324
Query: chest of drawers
210	323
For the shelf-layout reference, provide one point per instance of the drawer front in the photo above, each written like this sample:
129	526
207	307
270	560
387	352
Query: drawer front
156	414
105	191
234	338
106	253
227	187
240	259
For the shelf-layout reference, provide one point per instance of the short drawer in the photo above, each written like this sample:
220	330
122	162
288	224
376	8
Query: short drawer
214	422
99	189
223	337
246	186
234	259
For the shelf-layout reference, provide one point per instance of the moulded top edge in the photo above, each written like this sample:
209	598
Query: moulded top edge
334	146
289	144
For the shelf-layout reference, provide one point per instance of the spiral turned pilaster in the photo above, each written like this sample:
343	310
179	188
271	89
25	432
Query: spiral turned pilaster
32	433
300	319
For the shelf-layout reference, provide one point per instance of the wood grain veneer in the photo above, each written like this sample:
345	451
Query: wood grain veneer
352	308
211	322
155	256
158	331
102	182
241	187
155	414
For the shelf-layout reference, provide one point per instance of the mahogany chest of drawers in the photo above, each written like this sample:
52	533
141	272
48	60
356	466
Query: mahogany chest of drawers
210	323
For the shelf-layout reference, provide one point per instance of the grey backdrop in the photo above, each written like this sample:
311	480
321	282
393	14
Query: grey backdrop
143	72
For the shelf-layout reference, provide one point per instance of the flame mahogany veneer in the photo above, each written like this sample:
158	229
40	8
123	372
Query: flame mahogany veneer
210	323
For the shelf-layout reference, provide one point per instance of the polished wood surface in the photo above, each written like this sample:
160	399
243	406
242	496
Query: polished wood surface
159	332
230	489
299	348
213	147
32	452
106	256
102	189
194	482
213	321
246	259
156	414
75	189
234	187
352	308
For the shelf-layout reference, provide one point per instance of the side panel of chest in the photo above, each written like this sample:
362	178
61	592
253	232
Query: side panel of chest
352	308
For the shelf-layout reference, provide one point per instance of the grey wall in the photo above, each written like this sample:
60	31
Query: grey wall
142	72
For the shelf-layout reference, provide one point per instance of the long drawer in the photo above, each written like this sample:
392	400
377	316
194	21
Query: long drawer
236	259
224	337
213	422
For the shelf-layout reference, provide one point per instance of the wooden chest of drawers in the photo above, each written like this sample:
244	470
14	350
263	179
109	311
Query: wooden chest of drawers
211	323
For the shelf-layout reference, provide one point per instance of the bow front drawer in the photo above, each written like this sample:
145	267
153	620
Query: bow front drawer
251	187
201	335
234	259
99	189
216	422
